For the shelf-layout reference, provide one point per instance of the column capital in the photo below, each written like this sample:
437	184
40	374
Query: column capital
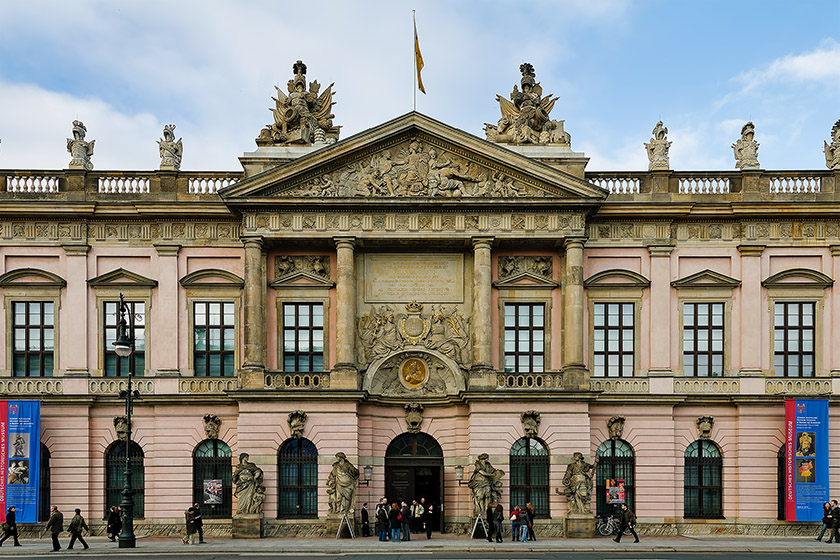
660	250
751	250
482	242
76	249
345	242
252	242
835	250
573	242
167	249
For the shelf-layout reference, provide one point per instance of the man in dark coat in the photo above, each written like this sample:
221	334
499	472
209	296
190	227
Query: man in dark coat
11	527
114	523
55	526
365	521
405	512
835	529
488	521
199	523
628	521
77	525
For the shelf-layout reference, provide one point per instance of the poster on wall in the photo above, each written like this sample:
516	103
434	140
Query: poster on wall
615	491
20	451
806	458
213	491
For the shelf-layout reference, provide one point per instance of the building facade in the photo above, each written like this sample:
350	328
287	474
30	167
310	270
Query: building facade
414	297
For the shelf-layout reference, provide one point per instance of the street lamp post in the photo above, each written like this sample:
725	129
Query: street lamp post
124	346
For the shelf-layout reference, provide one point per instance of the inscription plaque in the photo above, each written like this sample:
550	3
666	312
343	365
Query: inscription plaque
396	278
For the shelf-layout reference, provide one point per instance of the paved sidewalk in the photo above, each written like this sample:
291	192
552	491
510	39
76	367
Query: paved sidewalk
440	543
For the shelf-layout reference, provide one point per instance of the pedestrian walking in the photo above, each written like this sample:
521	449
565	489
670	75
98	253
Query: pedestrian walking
77	525
523	523
532	515
55	525
382	522
515	526
628	522
10	530
198	522
395	522
189	519
491	525
114	523
827	520
417	516
405	514
428	515
835	523
498	519
365	521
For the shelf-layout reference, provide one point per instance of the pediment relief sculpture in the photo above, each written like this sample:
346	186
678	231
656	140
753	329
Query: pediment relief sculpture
384	331
415	374
317	265
511	266
832	151
301	117
415	169
525	117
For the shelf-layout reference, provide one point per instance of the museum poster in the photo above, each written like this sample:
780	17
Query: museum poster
20	449
213	491
615	491
806	459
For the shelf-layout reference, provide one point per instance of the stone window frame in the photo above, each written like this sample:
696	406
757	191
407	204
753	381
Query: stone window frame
223	287
783	288
509	295
616	286
706	287
111	295
17	290
302	295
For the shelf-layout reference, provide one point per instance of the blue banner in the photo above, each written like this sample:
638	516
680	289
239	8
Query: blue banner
23	456
806	459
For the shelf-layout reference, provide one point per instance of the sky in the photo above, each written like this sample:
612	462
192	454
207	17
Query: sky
705	68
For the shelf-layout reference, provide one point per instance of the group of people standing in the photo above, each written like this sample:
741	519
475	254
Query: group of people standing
521	522
397	521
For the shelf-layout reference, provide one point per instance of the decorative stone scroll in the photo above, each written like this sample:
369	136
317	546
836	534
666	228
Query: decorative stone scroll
832	151
170	150
318	265
414	169
704	427
80	150
413	417
530	423
746	148
383	331
121	426
211	426
297	422
615	425
657	148
514	265
301	117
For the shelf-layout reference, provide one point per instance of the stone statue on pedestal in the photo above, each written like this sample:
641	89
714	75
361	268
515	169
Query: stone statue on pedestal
578	483
485	484
170	150
746	148
80	150
248	479
832	151
341	486
657	148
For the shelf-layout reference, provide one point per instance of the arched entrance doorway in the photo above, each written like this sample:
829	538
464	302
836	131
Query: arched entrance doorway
414	470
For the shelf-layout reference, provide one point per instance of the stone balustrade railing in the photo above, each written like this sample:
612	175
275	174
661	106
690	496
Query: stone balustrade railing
113	385
529	381
30	386
703	185
797	386
617	183
124	185
794	183
32	183
707	385
281	380
205	385
619	384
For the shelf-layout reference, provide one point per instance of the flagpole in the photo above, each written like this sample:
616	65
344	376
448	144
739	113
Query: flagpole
414	56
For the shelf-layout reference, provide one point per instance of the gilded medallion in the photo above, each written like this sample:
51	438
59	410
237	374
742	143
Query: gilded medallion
413	372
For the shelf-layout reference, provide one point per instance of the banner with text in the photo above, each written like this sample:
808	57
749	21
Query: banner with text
806	459
20	464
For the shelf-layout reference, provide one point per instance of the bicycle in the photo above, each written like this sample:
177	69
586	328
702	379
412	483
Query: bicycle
606	524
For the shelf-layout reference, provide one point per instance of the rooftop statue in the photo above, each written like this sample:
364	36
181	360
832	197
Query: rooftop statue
832	151
170	150
80	150
525	117
657	148
301	117
746	148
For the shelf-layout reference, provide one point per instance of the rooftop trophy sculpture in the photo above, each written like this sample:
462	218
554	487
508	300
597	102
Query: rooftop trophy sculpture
80	150
746	148
170	150
832	151
657	148
485	484
525	117
341	486
301	117
248	479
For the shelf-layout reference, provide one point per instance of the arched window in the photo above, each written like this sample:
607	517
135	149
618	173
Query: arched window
44	485
115	476
297	474
212	467
529	475
703	480
616	461
414	445
781	456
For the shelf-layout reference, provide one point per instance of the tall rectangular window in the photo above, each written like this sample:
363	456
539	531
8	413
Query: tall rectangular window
793	339
214	342
33	325
116	366
703	339
613	334
303	337
525	337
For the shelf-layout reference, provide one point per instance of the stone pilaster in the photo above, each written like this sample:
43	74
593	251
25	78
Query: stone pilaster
164	360
575	372
254	296
73	335
481	374
345	374
751	309
660	310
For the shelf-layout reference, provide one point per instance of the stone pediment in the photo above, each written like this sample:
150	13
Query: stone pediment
706	278
122	278
302	279
617	278
411	157
32	277
798	278
212	278
526	280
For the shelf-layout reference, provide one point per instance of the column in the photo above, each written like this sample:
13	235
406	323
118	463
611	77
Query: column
344	374
660	311
481	308
575	373
255	281
751	309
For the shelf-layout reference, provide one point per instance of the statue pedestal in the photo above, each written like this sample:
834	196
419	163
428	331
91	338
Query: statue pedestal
334	522
580	526
247	526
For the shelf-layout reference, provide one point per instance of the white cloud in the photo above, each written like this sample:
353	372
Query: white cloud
821	66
